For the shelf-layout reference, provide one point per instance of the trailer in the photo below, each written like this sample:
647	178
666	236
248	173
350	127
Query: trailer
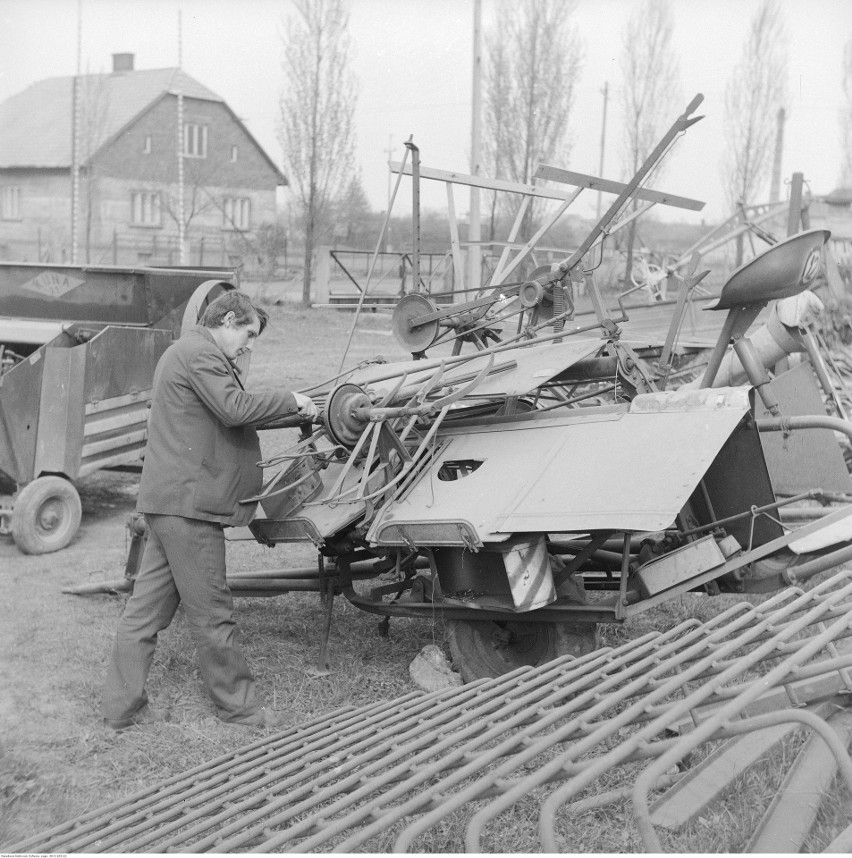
78	349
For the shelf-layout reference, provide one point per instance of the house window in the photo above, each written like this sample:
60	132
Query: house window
237	212
147	146
10	203
145	208
194	140
234	153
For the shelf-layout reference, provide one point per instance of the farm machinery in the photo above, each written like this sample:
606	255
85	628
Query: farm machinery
529	478
78	348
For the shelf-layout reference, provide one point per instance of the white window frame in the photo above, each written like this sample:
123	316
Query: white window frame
146	209
194	140
146	146
10	202
236	212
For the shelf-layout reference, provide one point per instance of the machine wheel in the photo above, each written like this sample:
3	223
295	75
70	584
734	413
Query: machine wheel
46	515
491	648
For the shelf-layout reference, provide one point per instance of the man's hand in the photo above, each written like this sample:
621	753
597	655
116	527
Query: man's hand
307	409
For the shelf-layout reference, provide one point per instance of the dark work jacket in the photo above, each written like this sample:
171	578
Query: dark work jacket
202	450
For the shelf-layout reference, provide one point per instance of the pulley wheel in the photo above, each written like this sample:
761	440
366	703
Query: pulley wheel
541	274
530	294
414	337
343	422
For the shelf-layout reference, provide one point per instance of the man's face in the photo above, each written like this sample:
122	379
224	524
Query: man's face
235	339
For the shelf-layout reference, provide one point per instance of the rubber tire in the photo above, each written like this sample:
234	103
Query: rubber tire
33	534
477	655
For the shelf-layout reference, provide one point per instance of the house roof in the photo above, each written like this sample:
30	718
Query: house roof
840	196
35	124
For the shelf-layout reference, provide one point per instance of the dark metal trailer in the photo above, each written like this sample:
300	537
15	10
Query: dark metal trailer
78	349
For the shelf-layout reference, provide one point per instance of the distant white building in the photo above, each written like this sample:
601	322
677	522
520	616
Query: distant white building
128	168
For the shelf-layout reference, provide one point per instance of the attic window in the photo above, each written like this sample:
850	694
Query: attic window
194	140
234	153
147	145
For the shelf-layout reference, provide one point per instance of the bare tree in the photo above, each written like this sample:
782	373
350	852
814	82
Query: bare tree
846	119
317	107
532	65
650	88
755	91
199	176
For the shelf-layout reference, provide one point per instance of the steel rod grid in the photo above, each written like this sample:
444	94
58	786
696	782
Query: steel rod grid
341	781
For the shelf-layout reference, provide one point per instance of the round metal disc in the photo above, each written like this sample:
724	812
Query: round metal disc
343	425
414	337
530	294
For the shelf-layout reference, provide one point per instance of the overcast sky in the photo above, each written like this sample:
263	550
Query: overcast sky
413	60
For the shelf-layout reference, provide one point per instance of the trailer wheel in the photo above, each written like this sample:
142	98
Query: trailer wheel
491	648
46	515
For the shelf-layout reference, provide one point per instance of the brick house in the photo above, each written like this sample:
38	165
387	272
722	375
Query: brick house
128	187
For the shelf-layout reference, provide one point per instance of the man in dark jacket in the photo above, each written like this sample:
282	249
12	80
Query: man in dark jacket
200	460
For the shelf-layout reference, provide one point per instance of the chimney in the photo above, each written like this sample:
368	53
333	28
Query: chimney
122	62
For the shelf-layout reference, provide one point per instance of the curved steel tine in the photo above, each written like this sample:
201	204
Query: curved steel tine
335	489
272	461
415	458
463	391
431	383
392	393
268	493
368	463
266	490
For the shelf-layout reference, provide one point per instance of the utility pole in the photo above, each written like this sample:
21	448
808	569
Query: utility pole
603	142
775	187
181	227
474	250
75	138
389	153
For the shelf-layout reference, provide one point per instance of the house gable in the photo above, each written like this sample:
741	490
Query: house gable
146	150
128	182
36	124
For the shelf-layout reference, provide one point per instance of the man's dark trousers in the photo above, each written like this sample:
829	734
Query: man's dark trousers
183	562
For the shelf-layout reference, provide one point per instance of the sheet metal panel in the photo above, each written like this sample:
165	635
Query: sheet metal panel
515	372
98	293
594	469
28	331
315	520
800	460
60	416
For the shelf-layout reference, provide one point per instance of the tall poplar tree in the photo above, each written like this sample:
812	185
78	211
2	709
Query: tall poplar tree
531	68
650	88
316	117
846	119
756	89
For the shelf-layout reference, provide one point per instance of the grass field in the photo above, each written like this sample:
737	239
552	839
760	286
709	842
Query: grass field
57	761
